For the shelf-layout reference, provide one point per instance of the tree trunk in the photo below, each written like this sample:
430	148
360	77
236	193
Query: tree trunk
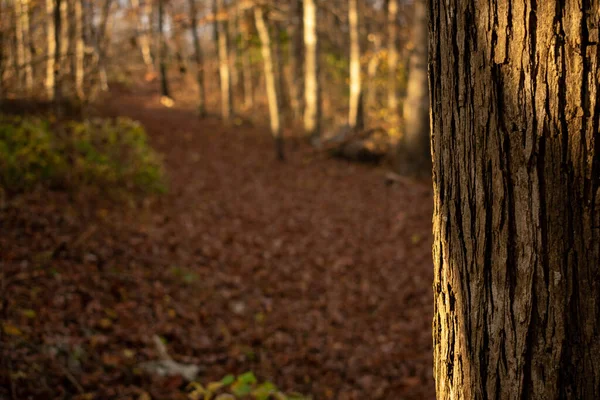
23	48
372	72
162	51
64	37
311	86
515	138
295	59
57	56
199	59
224	73
271	86
393	58
79	49
354	63
51	48
246	65
143	33
413	153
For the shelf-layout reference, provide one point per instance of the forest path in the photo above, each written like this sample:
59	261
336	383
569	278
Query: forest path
310	273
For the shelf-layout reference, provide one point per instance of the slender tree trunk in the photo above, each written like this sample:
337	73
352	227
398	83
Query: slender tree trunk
413	155
79	49
393	58
354	64
162	51
143	33
271	86
516	149
199	59
23	48
279	69
311	87
57	56
51	49
64	37
372	72
295	58
247	66
224	73
232	34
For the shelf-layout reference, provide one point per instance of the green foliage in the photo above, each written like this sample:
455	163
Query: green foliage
98	152
245	386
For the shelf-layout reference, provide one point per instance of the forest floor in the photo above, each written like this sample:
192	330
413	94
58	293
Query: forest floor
310	273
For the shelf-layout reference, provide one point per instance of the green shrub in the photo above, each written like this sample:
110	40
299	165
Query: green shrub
245	386
98	152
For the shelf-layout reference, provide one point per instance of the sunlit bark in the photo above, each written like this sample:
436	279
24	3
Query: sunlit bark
372	72
267	57
79	49
51	49
224	73
311	88
393	58
23	48
516	149
295	55
354	63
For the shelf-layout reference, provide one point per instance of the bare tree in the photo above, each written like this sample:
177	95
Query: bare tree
162	51
311	88
271	86
23	47
51	49
143	27
393	59
224	73
79	49
354	64
198	55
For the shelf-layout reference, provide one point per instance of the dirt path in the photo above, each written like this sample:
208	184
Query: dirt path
309	273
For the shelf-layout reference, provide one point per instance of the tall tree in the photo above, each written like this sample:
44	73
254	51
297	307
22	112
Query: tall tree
79	48
515	136
311	84
51	49
162	51
295	57
271	86
392	14
58	22
142	13
413	153
199	58
246	63
23	45
224	73
354	64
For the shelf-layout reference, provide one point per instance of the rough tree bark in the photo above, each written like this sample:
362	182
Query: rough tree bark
413	152
271	86
199	58
354	63
515	139
311	84
392	14
224	73
162	51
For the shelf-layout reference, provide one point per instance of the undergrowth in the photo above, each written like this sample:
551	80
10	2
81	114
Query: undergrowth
244	386
108	154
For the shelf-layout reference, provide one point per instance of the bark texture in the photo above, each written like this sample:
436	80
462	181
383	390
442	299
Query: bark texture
515	138
51	49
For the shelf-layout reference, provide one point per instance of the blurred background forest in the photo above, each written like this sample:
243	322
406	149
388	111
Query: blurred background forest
154	246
